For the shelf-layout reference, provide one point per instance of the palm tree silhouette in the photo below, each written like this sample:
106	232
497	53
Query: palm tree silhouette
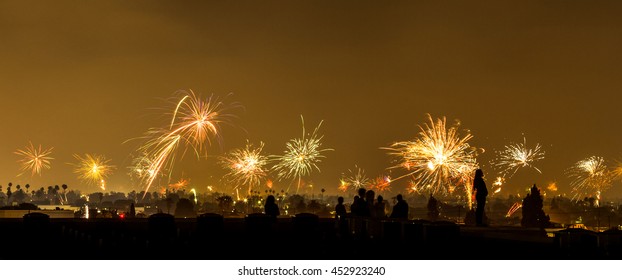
64	186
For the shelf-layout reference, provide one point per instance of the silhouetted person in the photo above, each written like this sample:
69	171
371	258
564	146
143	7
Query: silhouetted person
359	206
340	216
369	204
433	212
271	208
379	208
354	207
340	209
479	187
400	209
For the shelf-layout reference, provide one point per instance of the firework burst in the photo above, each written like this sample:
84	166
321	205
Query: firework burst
34	159
438	160
516	156
140	167
195	123
179	185
589	177
343	186
381	184
356	178
301	156
246	166
93	169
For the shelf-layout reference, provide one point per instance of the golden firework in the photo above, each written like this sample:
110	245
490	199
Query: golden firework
438	160
34	159
301	156
246	166
93	169
589	177
518	155
195	123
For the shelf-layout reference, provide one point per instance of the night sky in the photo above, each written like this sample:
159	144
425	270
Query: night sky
84	77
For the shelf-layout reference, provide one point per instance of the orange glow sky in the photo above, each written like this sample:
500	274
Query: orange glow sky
84	77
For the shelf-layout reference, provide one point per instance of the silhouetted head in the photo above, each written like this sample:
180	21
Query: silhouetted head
380	198
362	192
356	197
479	173
270	199
369	196
340	200
399	197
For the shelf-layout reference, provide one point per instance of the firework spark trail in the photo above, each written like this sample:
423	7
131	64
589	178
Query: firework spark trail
589	176
163	158
438	159
513	209
195	122
301	156
194	192
516	156
497	185
93	169
246	166
34	159
617	171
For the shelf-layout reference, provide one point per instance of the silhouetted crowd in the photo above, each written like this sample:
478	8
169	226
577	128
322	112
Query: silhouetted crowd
366	204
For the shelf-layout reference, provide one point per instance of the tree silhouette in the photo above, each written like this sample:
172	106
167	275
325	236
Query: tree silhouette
27	187
313	206
225	203
533	215
19	196
185	208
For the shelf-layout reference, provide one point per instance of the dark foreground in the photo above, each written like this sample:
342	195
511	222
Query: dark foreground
302	237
